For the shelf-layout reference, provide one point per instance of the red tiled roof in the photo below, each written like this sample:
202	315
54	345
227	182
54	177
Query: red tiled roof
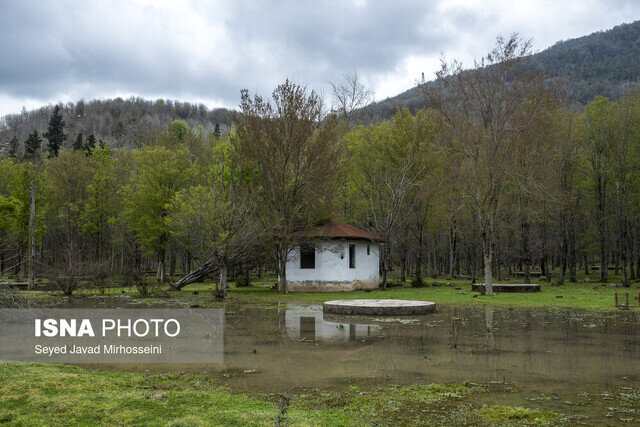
335	229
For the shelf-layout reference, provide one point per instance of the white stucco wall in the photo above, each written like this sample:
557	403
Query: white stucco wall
332	265
307	322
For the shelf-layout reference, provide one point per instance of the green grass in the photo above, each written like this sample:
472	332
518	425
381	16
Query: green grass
62	395
36	394
583	294
519	414
406	405
580	295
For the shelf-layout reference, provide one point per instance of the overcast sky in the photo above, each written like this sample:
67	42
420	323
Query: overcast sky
206	51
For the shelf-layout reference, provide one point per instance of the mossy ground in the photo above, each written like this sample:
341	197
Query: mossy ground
32	394
587	295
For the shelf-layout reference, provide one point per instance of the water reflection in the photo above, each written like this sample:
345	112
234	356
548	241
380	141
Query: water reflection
272	348
307	323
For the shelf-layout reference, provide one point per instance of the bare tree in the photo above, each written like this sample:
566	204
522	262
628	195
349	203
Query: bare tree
349	96
217	221
478	109
295	157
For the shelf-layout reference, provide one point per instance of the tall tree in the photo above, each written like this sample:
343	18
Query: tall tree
478	109
159	174
101	205
349	96
625	162
90	144
32	145
13	147
216	220
78	144
389	165
295	154
55	132
601	130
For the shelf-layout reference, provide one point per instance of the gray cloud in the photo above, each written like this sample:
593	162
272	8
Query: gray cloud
208	51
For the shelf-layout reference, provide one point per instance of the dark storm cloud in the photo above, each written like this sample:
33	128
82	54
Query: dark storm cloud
208	51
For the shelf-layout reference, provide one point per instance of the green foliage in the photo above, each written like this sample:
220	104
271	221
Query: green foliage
32	145
13	147
178	129
102	201
78	144
17	185
55	132
159	174
8	209
90	144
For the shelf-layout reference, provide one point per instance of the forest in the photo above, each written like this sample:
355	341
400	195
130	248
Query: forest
604	63
499	177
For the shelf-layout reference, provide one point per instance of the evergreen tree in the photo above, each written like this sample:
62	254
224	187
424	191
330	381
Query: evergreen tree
14	146
55	132
32	145
91	144
216	130
79	143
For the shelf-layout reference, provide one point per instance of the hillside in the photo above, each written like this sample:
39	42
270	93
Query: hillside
119	122
603	63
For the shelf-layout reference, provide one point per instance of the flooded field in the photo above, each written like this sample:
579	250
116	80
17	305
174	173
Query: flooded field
296	346
579	363
576	362
274	348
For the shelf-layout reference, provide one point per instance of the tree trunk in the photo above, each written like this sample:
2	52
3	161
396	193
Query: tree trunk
160	274
417	275
172	262
526	252
403	266
453	247
32	234
631	254
198	275
586	264
282	270
604	260
383	285
222	287
487	252
563	259
246	276
623	259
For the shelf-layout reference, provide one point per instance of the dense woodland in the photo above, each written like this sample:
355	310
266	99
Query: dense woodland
122	122
499	177
605	63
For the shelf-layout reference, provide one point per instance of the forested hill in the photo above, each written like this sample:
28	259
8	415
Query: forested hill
603	63
119	122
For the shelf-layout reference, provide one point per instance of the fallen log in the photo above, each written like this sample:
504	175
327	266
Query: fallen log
196	275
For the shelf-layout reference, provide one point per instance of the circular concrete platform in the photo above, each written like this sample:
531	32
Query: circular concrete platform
379	307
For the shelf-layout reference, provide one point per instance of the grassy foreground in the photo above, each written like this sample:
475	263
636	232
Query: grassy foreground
33	394
587	295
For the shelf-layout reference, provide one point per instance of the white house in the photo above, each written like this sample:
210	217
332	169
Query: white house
334	257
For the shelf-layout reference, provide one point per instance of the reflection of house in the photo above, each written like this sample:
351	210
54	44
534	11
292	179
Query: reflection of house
334	257
307	323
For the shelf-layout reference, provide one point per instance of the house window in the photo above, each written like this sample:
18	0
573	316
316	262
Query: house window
352	256
368	249
307	256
